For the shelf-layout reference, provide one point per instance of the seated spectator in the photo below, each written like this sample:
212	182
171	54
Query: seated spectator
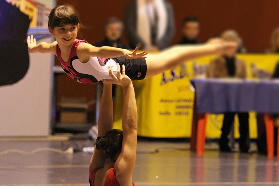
274	42
229	66
191	29
113	31
149	23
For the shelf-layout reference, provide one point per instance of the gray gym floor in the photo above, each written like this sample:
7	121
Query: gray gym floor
158	163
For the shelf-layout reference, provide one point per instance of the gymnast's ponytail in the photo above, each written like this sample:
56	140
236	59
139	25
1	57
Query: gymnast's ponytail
111	143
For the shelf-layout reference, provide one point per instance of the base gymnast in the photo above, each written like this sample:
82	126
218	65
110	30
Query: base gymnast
114	156
85	63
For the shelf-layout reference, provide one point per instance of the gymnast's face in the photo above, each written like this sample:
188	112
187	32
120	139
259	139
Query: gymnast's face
65	34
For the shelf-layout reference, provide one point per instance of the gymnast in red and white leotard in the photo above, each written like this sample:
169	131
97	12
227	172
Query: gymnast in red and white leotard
96	68
93	71
88	64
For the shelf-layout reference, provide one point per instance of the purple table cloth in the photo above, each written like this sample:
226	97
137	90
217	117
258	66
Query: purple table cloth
224	95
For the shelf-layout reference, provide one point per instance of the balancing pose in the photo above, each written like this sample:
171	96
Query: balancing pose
88	64
114	156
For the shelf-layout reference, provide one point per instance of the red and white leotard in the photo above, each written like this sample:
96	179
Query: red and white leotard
93	71
109	181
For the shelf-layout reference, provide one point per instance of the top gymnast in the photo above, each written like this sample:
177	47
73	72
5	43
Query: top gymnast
85	63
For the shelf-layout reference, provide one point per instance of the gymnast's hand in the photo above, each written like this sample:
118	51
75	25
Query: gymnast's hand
120	78
134	55
31	43
220	46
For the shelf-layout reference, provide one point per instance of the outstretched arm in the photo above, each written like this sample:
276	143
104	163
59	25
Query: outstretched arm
105	123
125	163
43	47
86	49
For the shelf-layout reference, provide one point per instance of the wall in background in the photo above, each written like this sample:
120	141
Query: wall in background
253	19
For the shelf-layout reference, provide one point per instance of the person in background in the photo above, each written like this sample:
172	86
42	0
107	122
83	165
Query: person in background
191	29
238	40
274	42
150	23
261	129
113	30
261	140
229	66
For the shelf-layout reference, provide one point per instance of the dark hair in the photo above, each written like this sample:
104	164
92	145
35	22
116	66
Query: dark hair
112	20
190	19
62	15
111	143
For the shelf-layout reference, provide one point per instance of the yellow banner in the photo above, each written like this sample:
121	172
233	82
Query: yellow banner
165	102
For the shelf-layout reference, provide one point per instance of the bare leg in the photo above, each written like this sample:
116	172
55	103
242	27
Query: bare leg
174	56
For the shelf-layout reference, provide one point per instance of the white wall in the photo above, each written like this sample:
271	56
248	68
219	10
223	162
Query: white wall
25	106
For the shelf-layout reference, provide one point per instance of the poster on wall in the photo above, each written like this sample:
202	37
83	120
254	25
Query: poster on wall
38	11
